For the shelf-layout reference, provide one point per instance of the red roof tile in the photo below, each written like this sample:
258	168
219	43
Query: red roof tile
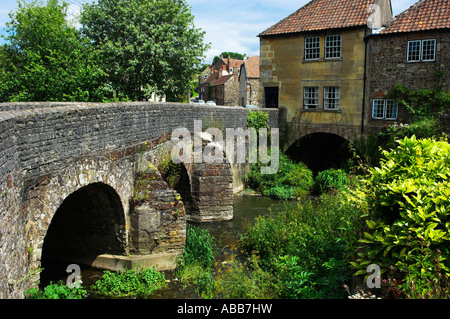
323	14
223	79
423	15
252	67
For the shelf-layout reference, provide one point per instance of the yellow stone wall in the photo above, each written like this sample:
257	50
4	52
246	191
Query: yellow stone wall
283	66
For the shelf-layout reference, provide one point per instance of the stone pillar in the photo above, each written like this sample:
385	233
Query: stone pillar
157	217
212	192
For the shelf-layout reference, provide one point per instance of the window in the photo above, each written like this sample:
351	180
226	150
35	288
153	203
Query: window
312	48
333	46
414	51
421	50
428	50
310	97
331	98
385	109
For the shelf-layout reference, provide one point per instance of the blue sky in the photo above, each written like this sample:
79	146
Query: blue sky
230	25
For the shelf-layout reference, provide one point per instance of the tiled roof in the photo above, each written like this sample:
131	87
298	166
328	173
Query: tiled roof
323	14
232	63
223	80
252	67
423	15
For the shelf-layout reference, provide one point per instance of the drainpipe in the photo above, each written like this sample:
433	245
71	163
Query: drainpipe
365	80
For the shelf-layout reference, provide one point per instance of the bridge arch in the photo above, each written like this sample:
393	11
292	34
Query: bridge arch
112	181
89	222
320	151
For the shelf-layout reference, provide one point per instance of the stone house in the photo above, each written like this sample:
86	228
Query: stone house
221	85
249	82
412	50
313	63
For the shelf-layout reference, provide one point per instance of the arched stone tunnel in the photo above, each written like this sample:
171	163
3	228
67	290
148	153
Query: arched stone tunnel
89	222
320	151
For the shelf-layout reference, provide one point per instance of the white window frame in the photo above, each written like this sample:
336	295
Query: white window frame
420	57
308	96
310	48
331	97
423	47
333	45
384	103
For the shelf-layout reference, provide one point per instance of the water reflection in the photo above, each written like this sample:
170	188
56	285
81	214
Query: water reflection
245	210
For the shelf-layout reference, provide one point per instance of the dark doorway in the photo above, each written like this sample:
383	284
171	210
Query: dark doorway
321	151
271	97
88	223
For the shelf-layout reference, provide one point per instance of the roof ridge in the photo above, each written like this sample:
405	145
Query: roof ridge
323	14
420	9
401	14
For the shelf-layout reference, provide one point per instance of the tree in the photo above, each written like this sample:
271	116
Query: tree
146	46
47	59
231	55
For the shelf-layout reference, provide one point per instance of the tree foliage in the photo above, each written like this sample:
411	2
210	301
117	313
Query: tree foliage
231	55
408	225
47	59
146	46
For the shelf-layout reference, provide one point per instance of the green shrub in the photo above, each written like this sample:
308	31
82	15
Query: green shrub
136	283
331	179
245	281
57	291
258	120
306	247
293	180
409	219
170	171
199	256
370	150
200	248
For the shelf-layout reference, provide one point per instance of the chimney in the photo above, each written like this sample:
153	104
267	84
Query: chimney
245	57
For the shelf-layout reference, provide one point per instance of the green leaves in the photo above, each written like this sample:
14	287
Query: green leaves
46	59
145	44
125	50
409	208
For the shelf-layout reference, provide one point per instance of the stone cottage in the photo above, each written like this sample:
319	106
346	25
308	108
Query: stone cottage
249	82
412	50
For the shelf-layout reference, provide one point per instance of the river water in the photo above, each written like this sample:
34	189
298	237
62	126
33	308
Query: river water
227	233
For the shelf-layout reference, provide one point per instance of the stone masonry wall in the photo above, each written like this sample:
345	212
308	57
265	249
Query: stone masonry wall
64	146
387	66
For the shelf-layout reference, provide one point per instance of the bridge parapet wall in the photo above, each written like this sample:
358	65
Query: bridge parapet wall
45	144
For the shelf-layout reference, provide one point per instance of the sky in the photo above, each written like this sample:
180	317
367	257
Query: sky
230	25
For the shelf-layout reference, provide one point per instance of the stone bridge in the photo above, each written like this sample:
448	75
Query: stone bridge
79	183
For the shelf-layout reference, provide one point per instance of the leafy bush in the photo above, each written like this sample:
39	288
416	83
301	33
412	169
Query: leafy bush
370	149
57	291
170	171
245	281
258	120
198	259
409	219
424	103
293	180
306	247
331	179
129	283
200	247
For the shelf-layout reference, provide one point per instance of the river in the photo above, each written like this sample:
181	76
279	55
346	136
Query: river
227	233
